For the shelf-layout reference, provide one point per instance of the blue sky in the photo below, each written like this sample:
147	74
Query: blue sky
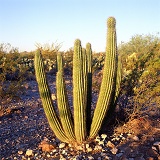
23	23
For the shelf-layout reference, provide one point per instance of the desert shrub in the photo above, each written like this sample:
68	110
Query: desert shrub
11	74
141	72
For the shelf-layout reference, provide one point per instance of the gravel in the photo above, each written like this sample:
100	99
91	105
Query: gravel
25	127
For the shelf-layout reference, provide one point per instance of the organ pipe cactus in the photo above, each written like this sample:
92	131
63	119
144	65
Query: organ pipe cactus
79	127
108	85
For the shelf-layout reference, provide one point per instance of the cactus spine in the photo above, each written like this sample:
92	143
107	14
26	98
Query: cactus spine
81	127
107	90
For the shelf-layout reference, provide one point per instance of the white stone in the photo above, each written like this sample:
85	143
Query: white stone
129	134
123	138
29	152
53	97
89	149
87	145
62	145
103	136
117	138
97	139
48	155
64	152
90	157
135	138
101	142
20	152
54	150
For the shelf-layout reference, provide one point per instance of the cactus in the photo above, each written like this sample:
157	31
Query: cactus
46	99
89	84
62	101
79	89
81	127
108	85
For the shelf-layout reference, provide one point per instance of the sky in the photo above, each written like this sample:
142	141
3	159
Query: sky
24	23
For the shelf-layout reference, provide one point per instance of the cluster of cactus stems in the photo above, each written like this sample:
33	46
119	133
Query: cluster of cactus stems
81	126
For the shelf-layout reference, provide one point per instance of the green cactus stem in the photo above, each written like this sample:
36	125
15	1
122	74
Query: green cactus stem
45	95
78	92
62	101
107	90
89	84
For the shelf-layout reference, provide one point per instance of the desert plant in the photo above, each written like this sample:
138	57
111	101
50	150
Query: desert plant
75	129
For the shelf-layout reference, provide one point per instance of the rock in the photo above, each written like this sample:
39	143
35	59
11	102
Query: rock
90	157
29	152
89	149
107	158
129	134
114	150
20	152
101	143
46	146
54	150
62	145
135	138
103	136
48	155
110	144
87	145
157	145
53	97
97	139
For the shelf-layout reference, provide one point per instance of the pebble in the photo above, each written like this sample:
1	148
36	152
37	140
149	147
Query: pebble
20	152
89	149
62	145
29	152
135	138
110	144
157	145
103	136
114	150
90	158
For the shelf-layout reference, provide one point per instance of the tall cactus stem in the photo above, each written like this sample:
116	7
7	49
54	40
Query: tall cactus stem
89	84
62	101
78	93
108	84
45	95
119	78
